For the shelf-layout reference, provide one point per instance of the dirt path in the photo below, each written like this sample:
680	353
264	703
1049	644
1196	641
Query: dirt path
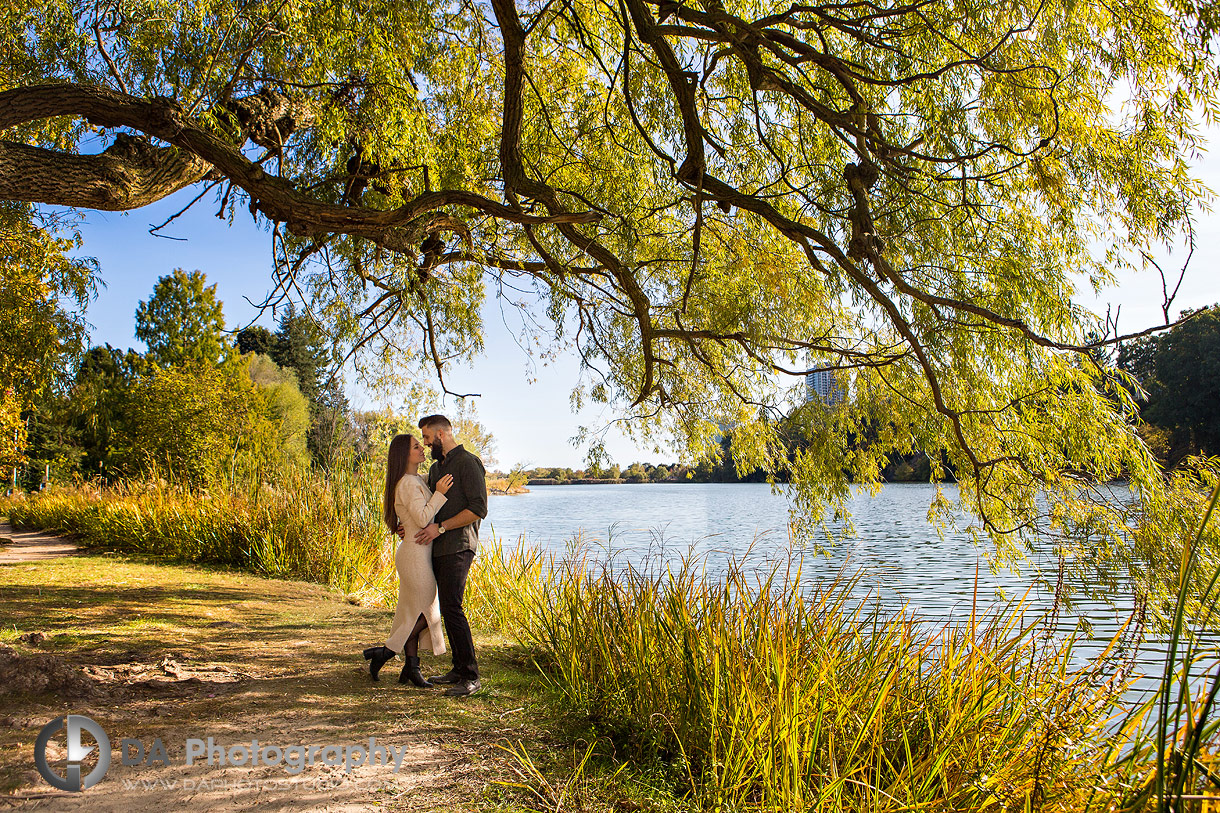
29	546
152	651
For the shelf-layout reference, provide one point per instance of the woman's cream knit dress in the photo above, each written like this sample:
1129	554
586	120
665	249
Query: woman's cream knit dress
415	506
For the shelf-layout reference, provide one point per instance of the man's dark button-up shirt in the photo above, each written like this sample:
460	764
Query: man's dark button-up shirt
469	491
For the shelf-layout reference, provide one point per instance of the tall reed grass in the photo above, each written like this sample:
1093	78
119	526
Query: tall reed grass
1186	727
767	699
326	530
750	693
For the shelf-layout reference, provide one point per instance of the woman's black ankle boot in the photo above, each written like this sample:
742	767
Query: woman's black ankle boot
410	673
377	656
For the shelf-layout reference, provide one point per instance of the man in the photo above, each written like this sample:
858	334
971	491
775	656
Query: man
454	534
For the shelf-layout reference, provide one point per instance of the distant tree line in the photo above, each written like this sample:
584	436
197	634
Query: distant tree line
705	472
913	467
199	404
195	404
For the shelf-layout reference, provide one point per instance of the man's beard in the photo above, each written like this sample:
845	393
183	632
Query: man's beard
438	450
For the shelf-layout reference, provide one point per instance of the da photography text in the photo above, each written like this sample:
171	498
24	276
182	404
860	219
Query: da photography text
198	751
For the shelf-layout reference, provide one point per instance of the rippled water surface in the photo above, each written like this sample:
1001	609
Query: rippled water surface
901	557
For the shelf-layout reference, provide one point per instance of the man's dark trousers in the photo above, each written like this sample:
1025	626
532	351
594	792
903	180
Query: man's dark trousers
450	570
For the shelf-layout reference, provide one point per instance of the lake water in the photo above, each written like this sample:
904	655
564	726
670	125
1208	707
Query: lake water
901	557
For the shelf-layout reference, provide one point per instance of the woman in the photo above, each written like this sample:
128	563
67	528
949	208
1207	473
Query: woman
417	618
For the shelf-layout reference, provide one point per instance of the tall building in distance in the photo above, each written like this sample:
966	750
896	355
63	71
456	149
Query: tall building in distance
823	385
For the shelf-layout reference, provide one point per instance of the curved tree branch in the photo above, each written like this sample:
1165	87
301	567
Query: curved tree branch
196	147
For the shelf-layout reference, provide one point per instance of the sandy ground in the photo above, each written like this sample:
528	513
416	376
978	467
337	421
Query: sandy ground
161	652
30	546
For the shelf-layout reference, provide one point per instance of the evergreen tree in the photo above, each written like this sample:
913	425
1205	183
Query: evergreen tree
182	322
331	431
255	339
300	345
55	449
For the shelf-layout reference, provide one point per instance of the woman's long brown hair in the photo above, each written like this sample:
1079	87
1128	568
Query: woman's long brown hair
396	467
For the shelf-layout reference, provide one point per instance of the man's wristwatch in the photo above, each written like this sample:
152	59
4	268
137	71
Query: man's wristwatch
440	527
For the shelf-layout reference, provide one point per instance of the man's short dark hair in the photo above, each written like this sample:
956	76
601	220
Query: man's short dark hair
434	422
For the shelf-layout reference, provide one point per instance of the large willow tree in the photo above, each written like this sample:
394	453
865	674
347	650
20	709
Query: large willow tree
706	198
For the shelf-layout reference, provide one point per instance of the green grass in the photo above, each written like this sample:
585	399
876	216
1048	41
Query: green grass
300	645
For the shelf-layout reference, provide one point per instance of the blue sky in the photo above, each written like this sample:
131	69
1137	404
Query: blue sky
531	420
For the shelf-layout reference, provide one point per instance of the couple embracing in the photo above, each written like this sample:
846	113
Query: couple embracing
437	520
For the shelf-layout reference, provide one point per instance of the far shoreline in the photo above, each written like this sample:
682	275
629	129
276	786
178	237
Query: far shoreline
589	481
